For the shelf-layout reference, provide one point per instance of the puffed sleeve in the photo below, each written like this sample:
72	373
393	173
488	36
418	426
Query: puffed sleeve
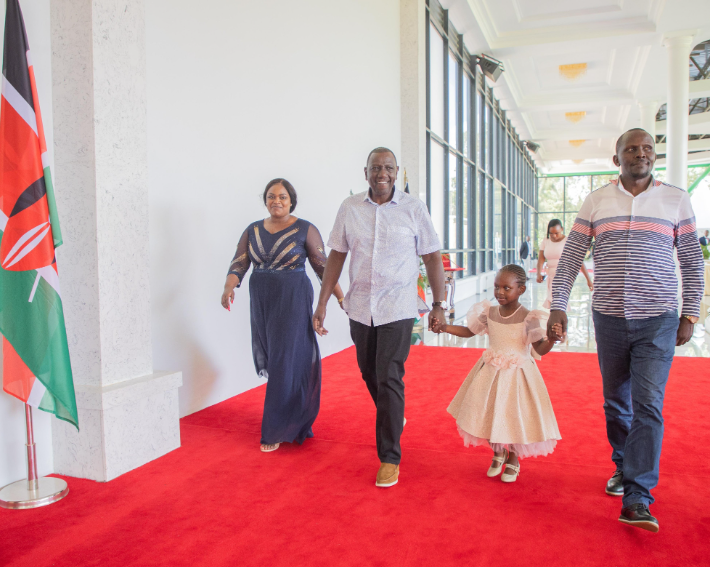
542	244
477	317
241	262
535	326
316	251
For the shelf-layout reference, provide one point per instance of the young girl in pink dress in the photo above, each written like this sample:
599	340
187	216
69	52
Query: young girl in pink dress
503	401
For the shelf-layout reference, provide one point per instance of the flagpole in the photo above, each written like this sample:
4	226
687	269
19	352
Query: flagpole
35	491
32	481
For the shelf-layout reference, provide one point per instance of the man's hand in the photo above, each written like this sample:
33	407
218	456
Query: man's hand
557	319
557	333
685	332
435	273
318	319
436	314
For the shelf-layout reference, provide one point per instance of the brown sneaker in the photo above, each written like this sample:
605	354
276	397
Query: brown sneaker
388	475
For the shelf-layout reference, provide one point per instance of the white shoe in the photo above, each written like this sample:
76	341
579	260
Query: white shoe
495	471
505	477
405	422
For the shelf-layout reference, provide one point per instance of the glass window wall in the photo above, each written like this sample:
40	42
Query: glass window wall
481	180
561	197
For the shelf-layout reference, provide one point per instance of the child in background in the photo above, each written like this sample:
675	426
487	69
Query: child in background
504	401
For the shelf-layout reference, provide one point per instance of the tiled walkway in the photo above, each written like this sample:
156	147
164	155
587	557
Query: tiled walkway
580	335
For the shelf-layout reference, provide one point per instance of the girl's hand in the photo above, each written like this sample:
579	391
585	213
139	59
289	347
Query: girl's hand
539	278
559	334
590	283
227	297
438	327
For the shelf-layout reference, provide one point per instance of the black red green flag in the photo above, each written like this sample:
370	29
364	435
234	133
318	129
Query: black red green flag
36	365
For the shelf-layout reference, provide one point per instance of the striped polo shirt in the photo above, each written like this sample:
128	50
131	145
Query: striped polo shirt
634	237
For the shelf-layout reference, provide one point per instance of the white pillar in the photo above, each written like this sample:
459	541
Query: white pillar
128	415
412	33
648	111
678	46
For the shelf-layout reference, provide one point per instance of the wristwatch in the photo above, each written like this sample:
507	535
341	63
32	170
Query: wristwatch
441	304
691	318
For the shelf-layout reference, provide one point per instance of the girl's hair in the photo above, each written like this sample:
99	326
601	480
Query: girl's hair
289	189
521	277
553	223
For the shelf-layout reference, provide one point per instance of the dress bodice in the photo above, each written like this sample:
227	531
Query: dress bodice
511	337
281	252
553	251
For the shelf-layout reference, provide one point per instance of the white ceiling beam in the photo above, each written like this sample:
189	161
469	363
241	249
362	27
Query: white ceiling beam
522	51
575	101
597	165
700	89
572	101
693	145
697	124
575	132
575	153
610	27
696	158
700	157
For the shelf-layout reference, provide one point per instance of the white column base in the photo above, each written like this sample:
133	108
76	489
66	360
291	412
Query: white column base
122	426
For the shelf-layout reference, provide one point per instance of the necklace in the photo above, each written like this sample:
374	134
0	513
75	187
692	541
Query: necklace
509	316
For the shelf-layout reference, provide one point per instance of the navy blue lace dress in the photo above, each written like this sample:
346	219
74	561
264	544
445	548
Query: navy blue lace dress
283	340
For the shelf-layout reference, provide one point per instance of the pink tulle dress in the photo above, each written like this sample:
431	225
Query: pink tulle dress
503	401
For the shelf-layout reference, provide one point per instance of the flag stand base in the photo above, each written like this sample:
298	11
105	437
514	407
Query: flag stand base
18	496
34	491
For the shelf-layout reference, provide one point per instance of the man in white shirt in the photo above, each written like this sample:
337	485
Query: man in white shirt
386	231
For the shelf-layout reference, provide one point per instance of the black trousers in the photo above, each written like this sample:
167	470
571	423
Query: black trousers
381	353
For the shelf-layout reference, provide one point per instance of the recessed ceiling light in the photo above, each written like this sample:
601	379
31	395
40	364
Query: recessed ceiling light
575	116
574	71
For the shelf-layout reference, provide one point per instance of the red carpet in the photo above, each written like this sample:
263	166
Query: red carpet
219	501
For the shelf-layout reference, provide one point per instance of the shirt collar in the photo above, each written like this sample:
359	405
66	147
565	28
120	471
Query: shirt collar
396	197
654	183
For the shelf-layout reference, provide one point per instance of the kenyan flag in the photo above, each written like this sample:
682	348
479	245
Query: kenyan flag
36	366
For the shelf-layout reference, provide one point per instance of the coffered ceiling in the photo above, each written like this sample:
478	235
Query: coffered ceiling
576	71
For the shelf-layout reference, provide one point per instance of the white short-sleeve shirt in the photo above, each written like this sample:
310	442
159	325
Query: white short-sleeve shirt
385	243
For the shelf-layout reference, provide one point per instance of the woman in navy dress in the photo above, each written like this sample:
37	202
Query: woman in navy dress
283	341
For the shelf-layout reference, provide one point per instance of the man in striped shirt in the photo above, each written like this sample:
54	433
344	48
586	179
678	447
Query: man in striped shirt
636	222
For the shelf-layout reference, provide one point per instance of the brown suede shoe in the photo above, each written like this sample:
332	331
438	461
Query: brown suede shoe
388	475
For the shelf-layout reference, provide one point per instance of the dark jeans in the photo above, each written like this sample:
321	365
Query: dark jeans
381	353
635	356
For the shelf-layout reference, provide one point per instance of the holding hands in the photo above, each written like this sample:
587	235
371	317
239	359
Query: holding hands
557	325
436	318
437	326
558	333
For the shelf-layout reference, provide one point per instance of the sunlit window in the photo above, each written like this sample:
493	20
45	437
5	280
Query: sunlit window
481	180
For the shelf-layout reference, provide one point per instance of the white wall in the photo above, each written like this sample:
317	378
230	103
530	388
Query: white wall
12	414
241	92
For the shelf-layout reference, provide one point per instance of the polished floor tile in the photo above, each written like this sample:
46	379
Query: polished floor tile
580	334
